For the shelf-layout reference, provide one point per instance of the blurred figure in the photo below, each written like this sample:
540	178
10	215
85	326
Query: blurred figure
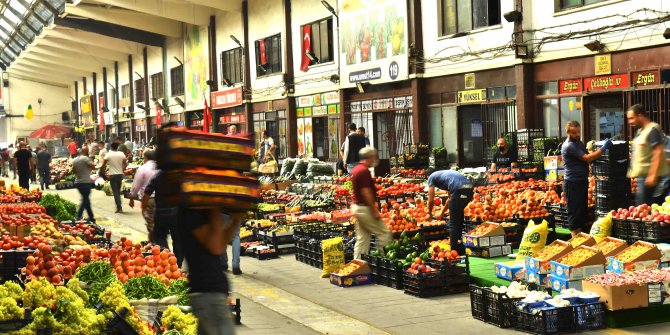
117	162
43	168
82	167
24	165
352	146
142	178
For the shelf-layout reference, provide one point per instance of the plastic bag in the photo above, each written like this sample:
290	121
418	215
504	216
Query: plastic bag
534	239
333	255
602	228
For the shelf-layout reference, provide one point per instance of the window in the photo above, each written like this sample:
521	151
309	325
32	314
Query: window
140	93
321	40
465	15
157	89
231	66
549	88
113	99
271	63
125	91
557	113
569	4
177	80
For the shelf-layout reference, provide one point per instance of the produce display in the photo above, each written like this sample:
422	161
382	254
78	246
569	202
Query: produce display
419	267
631	278
348	269
577	256
523	199
632	252
482	230
645	212
606	246
578	240
549	252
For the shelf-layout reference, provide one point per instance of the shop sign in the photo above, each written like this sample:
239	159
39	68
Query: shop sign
306	101
232	118
355	106
471	96
409	101
333	109
570	86
320	110
379	104
308	111
227	98
366	55
109	117
300	111
603	64
366	105
645	78
399	103
469	80
330	98
606	82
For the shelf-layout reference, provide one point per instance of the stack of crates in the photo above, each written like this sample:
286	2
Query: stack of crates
522	139
613	188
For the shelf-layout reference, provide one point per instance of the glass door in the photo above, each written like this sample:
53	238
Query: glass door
472	135
608	118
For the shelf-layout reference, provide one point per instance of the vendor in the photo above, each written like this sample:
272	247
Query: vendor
504	157
460	194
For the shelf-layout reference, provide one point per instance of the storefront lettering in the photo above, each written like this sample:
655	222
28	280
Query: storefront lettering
227	98
471	96
331	98
365	75
356	106
605	83
570	86
400	102
366	105
645	78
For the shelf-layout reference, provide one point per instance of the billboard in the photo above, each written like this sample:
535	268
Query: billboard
196	66
373	41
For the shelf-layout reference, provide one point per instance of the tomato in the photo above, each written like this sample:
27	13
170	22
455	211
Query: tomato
6	246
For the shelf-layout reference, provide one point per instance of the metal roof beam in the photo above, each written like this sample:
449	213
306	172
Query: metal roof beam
112	30
226	6
179	11
30	58
47	68
65	57
21	17
83	48
105	42
128	18
31	9
31	75
51	8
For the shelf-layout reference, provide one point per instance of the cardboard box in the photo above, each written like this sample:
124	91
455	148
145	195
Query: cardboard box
647	260
589	242
281	186
512	270
361	276
620	297
594	265
560	284
664	248
489	252
553	163
544	267
493	238
622	245
536	278
659	293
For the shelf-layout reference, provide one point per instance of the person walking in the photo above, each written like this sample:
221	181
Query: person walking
4	154
82	167
352	146
142	178
361	131
460	194
117	162
576	180
43	167
364	204
12	161
93	149
235	246
165	217
267	147
23	164
504	157
72	147
33	169
648	164
103	151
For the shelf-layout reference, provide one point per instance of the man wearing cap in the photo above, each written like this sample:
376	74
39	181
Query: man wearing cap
460	194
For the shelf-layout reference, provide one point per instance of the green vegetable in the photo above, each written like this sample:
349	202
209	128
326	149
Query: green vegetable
180	288
97	275
145	287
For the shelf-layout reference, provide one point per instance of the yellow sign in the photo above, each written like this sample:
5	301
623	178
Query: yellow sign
472	96
469	80
603	64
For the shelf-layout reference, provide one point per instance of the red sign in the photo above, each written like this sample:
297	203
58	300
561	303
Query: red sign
227	98
101	105
570	86
604	83
645	78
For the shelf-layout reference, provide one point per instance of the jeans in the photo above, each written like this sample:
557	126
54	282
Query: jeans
45	176
115	182
663	188
213	313
24	180
577	198
367	225
12	166
85	191
165	222
235	243
457	203
5	169
651	195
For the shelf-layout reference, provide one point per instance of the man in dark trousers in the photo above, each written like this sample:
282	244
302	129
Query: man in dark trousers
165	217
352	145
43	161
23	159
576	179
460	194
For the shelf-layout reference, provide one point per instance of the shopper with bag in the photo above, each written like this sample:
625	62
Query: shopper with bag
268	163
117	162
364	208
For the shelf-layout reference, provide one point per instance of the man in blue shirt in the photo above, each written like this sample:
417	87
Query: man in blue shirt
576	180
460	194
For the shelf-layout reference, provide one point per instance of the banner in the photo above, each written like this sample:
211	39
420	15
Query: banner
86	108
306	46
227	98
159	116
196	66
101	104
373	41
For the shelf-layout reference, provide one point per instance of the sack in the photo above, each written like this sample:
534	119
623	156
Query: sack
602	228
534	239
270	167
333	255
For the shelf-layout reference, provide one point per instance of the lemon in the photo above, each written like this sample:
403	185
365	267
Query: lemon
396	44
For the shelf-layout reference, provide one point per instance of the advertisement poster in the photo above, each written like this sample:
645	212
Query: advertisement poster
374	41
86	111
309	149
334	145
196	66
301	136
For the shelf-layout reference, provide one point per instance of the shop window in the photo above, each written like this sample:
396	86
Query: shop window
435	125
268	55
557	113
571	109
177	80
392	131
125	91
549	109
157	88
364	120
140	91
549	88
321	40
231	66
569	4
276	128
465	15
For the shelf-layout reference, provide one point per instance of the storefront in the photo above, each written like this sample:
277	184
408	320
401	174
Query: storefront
228	111
271	116
589	91
139	129
125	129
318	125
467	113
193	120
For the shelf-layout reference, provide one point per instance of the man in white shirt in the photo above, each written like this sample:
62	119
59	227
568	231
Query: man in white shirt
103	150
117	162
142	178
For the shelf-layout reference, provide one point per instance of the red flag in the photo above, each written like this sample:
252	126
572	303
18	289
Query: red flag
102	113
261	46
159	116
206	118
306	47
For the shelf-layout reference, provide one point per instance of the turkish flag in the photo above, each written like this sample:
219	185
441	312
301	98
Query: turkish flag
206	118
102	113
159	115
306	47
261	46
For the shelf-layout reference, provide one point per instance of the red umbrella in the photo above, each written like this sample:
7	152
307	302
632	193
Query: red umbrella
50	131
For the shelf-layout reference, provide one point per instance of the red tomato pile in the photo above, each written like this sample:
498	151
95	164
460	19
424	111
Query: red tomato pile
14	243
55	268
24	207
81	228
398	190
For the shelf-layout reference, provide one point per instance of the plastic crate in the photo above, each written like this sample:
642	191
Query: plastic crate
547	321
636	229
501	310
654	232
621	228
266	255
590	316
423	280
477	305
610	169
12	325
449	267
618	151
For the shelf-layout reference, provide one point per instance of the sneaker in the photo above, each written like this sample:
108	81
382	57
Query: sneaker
237	272
118	210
